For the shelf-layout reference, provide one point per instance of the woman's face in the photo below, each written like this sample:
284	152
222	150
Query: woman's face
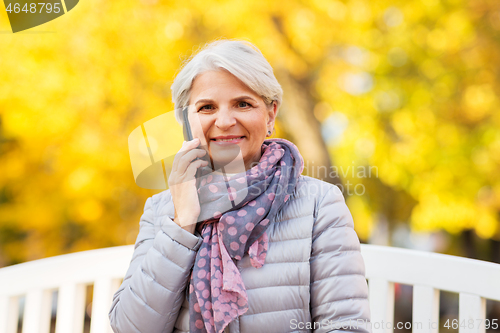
221	106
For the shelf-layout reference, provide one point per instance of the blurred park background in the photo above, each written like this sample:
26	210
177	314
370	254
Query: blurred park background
399	98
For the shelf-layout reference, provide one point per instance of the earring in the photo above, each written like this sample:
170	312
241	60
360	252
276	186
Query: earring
268	133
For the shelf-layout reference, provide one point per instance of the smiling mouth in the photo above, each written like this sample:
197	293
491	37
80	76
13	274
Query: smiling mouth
227	140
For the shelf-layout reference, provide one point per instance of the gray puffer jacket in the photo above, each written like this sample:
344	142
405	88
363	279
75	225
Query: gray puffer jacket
312	280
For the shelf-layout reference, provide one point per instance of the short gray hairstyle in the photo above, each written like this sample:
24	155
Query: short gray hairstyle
241	58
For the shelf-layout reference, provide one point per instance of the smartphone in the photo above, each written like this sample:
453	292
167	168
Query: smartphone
188	136
186	128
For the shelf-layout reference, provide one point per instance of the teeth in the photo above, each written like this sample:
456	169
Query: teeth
228	139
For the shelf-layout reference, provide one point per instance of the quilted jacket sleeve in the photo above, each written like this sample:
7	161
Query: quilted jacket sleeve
339	292
152	291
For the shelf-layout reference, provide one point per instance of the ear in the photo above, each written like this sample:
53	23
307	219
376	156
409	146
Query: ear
272	112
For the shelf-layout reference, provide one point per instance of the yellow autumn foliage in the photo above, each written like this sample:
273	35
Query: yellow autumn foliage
407	87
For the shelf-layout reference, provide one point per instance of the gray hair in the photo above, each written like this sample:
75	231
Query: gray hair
241	58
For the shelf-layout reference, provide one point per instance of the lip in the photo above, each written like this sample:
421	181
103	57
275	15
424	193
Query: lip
235	139
227	137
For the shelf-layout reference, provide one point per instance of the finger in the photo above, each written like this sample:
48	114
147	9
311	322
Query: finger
186	147
188	158
189	173
180	175
193	167
177	157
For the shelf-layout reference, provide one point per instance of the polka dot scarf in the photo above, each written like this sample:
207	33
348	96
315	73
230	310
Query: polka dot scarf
217	294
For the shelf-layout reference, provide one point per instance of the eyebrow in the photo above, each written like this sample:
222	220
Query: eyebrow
234	99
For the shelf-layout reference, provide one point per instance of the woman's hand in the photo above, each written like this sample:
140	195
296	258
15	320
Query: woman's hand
182	184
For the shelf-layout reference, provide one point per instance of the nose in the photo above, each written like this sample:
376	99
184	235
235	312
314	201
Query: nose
224	119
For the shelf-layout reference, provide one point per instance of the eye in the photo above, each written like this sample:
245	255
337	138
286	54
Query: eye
205	108
243	102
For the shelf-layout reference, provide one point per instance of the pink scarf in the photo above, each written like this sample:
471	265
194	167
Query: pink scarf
217	294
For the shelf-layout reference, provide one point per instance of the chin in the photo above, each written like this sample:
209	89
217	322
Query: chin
228	156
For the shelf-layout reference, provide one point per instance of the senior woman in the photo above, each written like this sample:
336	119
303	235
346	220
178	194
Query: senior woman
284	258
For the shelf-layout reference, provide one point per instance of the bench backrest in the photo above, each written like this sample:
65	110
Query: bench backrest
70	275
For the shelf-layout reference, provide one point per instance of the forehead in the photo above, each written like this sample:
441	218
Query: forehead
214	82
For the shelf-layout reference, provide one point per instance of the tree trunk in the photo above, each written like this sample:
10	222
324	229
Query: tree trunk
304	129
297	116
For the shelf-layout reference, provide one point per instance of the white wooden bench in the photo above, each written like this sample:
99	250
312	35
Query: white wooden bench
474	281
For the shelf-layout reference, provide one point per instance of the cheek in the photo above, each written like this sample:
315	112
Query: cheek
200	131
203	125
196	124
256	125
